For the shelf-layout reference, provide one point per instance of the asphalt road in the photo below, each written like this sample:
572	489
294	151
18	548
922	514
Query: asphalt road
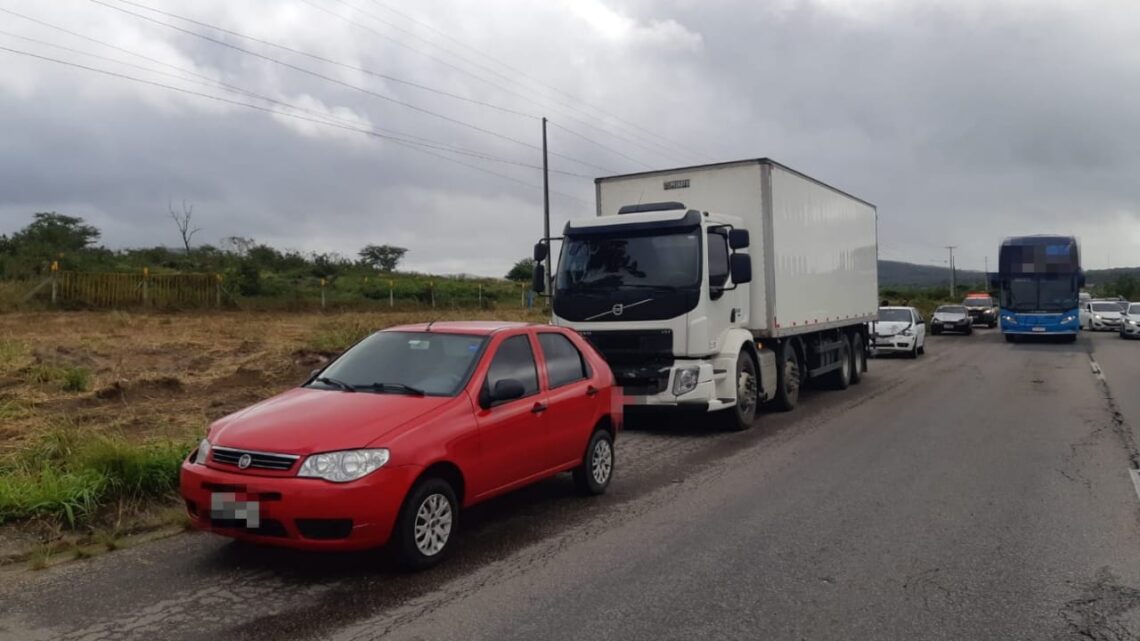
979	492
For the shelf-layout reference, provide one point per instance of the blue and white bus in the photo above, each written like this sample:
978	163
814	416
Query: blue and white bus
1039	280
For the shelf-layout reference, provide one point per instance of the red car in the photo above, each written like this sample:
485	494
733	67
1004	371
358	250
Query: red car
391	439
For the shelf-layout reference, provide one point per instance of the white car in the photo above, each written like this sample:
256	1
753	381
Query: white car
899	330
1100	315
951	318
1130	327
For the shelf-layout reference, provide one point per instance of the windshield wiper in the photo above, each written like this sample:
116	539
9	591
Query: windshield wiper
393	387
341	385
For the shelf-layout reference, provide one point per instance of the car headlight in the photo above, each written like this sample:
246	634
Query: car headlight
343	466
1130	321
202	454
1097	316
686	380
905	332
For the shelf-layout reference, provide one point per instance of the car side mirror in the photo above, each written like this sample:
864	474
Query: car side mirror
541	250
538	280
507	389
740	266
738	238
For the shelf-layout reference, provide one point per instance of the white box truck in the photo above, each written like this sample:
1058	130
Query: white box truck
718	287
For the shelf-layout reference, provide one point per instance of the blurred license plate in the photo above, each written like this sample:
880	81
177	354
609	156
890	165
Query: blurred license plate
1038	329
225	507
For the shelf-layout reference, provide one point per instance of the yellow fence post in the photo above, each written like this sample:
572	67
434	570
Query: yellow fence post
391	293
146	286
54	284
323	293
218	290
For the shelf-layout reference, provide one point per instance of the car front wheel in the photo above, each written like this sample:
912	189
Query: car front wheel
593	476
426	524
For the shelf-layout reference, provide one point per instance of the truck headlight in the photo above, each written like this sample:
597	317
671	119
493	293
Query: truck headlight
344	466
686	380
203	453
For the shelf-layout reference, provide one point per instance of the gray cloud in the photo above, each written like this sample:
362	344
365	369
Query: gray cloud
963	121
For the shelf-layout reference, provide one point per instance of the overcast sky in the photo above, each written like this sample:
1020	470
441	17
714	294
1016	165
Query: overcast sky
964	121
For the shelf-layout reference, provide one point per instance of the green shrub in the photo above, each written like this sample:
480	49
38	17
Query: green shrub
76	379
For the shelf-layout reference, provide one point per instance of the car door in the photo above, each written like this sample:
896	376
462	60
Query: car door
573	396
513	435
919	328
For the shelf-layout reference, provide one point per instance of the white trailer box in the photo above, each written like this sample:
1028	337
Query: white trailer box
813	247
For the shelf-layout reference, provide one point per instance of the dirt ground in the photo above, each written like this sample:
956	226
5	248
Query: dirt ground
166	376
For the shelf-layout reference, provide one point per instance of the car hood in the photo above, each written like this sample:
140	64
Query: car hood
1112	315
304	420
890	328
948	317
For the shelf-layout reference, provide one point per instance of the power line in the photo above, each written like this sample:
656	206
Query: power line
324	117
595	142
662	151
536	81
342	83
405	143
330	61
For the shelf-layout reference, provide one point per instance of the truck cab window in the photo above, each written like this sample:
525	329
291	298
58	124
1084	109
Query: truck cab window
718	261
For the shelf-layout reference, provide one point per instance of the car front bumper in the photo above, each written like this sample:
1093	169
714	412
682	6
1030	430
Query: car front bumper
302	513
956	327
896	344
1130	330
1104	324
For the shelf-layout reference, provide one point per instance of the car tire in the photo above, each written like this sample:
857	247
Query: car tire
992	324
936	332
922	348
593	476
913	353
858	358
969	331
429	511
840	379
739	417
788	378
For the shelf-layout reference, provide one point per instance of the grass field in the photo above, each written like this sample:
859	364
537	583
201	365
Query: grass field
97	409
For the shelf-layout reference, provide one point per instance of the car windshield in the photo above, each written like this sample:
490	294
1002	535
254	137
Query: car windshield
1105	307
1134	309
895	315
950	309
653	261
435	363
979	302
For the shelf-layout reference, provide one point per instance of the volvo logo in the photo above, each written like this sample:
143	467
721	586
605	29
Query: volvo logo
618	309
244	461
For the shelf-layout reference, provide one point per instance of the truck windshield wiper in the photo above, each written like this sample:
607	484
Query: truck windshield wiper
341	385
393	387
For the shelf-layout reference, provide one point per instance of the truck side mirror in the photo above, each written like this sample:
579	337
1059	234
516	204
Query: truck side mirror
740	266
538	283
738	238
540	252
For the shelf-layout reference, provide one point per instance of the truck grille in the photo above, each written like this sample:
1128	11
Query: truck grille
640	359
258	460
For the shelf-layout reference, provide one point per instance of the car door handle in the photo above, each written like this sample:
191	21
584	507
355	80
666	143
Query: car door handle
591	391
538	408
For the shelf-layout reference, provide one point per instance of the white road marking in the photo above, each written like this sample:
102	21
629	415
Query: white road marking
1135	474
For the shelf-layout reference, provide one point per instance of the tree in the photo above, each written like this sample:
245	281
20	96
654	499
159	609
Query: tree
384	258
50	236
523	271
239	245
182	220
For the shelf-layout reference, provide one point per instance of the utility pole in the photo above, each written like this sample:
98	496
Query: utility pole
546	206
953	294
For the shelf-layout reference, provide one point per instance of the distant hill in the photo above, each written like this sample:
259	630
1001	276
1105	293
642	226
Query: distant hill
893	273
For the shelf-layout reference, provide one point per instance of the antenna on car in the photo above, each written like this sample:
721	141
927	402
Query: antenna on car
430	323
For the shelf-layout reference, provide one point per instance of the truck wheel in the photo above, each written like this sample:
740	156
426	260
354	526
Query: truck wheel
787	379
858	358
841	378
740	417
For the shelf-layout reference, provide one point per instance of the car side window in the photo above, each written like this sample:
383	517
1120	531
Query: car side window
514	359
917	317
564	363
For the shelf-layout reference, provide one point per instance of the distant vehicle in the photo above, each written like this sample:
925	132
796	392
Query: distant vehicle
717	287
1101	315
982	309
900	330
1130	325
951	318
409	426
1039	280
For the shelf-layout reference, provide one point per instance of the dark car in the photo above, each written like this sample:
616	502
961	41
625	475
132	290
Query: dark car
982	310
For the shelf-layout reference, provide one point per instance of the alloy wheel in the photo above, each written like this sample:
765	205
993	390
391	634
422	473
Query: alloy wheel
433	524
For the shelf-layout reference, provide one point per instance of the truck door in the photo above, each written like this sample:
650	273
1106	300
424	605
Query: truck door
724	307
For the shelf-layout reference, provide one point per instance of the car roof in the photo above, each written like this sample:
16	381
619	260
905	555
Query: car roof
479	328
895	307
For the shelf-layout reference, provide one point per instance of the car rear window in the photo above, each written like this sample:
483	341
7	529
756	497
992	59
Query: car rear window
564	363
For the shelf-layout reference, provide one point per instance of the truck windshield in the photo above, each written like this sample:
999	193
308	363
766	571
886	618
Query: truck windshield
658	261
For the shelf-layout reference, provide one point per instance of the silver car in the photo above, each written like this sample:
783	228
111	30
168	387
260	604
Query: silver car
1130	321
951	318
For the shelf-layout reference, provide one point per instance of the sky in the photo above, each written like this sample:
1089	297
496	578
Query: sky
326	125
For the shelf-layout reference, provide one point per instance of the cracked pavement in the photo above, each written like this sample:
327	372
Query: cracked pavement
980	492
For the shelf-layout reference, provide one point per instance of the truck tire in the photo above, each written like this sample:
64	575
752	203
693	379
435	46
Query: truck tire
787	378
858	358
739	417
840	379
